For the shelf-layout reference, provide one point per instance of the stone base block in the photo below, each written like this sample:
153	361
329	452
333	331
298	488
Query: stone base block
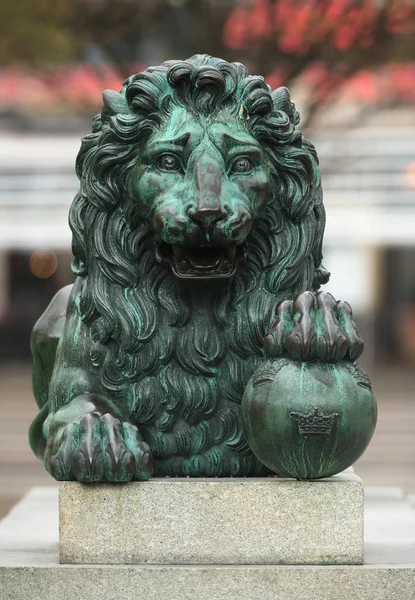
267	521
29	568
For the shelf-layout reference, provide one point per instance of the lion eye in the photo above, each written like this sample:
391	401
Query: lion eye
242	165
168	162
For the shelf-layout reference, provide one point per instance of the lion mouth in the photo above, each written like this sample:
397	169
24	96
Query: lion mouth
202	262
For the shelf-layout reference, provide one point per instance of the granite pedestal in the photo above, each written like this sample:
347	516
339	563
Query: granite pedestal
249	521
29	567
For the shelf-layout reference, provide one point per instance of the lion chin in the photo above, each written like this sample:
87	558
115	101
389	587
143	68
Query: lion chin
195	172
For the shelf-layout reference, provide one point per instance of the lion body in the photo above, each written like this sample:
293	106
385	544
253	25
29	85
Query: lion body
176	358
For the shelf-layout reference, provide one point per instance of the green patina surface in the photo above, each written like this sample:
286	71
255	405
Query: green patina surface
197	235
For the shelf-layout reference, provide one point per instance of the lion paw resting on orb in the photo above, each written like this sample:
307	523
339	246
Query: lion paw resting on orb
310	412
199	220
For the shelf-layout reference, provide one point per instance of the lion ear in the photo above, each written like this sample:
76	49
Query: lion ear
114	103
282	101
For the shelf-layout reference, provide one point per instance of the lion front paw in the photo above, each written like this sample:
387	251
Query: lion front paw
96	447
314	327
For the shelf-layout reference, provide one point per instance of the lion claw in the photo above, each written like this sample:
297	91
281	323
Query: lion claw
98	447
314	327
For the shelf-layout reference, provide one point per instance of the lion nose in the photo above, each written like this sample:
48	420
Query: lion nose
207	214
207	206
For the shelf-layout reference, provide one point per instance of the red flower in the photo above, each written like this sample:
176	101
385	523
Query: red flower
236	29
401	17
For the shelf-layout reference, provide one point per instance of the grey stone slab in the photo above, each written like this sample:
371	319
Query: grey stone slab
29	568
251	521
208	583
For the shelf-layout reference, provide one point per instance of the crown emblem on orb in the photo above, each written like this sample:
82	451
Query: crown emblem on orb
315	423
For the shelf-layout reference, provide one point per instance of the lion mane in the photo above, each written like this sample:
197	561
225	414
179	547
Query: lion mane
183	376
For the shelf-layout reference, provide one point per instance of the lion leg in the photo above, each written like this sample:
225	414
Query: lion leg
314	327
43	343
88	436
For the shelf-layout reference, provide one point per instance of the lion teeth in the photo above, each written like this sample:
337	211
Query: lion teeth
231	253
177	251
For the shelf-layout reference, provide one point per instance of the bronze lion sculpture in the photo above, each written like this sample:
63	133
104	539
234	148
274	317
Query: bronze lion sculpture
197	246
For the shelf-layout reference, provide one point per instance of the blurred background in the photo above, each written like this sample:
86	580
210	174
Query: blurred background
350	66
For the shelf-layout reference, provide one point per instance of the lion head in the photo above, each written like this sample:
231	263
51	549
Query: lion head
193	174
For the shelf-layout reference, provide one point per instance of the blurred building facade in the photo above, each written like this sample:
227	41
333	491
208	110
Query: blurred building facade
369	191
